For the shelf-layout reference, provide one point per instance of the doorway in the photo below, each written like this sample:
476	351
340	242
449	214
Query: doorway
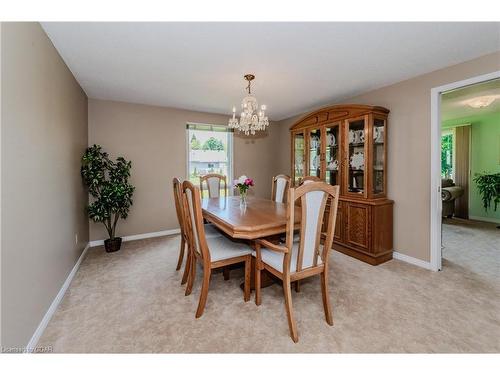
451	151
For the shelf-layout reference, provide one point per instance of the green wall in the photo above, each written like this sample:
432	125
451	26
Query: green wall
485	155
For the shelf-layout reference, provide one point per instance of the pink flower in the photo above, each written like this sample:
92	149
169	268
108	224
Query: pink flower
249	182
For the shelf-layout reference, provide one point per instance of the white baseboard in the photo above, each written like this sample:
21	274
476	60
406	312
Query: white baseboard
55	303
140	236
487	219
415	261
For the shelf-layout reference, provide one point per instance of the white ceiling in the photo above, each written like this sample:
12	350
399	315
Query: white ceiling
454	106
298	66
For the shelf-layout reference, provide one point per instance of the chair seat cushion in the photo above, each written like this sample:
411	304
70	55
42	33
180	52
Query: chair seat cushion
223	248
275	258
211	231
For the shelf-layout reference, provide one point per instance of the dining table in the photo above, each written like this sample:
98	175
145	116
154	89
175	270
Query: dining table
254	219
257	218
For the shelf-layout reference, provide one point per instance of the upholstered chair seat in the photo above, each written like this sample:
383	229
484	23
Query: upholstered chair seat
275	259
211	231
223	248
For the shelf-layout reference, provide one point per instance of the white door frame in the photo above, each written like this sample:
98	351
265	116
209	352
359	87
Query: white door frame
436	204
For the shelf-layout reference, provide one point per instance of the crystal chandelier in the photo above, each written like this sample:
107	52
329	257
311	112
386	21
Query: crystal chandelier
250	120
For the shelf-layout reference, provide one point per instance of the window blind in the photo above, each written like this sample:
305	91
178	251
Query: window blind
209	127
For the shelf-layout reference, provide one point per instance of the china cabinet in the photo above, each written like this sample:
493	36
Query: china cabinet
346	145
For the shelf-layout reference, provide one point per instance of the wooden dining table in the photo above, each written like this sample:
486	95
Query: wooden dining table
256	219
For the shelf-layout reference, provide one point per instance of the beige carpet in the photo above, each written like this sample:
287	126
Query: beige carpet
132	301
472	245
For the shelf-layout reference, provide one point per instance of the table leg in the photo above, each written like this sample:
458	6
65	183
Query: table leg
225	271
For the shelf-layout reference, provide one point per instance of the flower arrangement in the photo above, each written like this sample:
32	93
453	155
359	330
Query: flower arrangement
243	183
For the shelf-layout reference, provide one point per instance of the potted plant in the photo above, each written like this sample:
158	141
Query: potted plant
489	189
107	182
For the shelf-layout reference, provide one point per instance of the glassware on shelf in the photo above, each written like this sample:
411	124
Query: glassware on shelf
299	145
378	133
357	161
333	165
315	152
331	140
332	156
356	156
378	156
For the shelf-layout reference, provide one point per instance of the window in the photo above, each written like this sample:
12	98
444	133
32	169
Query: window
448	153
210	150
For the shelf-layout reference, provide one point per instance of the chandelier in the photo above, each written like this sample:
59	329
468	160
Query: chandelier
251	118
481	101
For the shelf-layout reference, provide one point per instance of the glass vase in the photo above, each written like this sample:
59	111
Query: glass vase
243	198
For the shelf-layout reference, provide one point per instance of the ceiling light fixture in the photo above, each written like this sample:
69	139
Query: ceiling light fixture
251	119
481	101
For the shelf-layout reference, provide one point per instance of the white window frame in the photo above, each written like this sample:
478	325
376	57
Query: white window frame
454	151
230	146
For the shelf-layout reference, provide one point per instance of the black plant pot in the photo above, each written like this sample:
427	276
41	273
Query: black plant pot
112	245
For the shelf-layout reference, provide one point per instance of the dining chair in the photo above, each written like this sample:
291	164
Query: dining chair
299	260
308	179
213	182
210	230
281	184
212	252
296	238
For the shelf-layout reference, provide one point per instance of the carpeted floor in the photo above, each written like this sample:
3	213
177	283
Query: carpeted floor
132	301
473	245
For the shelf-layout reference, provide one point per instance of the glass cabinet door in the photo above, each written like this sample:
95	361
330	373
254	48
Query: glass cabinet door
314	152
299	161
378	142
356	180
332	155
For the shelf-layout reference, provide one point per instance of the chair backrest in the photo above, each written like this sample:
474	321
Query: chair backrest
213	183
281	184
308	179
195	230
313	198
178	203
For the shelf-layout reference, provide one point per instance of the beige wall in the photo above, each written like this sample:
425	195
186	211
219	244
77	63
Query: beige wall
409	148
44	132
154	139
1	25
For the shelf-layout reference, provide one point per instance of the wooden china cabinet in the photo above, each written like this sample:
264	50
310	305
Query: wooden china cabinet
346	145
